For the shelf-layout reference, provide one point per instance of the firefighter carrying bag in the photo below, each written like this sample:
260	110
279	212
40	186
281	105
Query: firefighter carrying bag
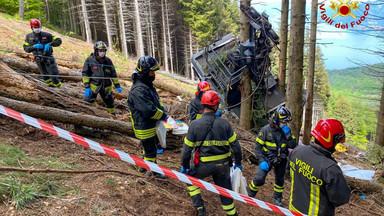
196	157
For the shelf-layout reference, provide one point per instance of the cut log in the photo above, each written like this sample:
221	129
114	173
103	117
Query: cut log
364	186
31	67
54	114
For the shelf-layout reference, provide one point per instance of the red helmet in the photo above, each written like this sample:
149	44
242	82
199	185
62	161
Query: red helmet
35	23
210	98
203	86
329	132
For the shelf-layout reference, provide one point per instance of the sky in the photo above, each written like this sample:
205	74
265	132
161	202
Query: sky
341	48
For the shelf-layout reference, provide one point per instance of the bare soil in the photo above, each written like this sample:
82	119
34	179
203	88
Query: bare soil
118	194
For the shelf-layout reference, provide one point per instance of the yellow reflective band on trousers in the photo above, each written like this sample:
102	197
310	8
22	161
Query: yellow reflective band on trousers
215	157
260	141
229	209
58	85
253	187
111	110
314	200
265	149
233	138
143	134
278	188
198	116
158	114
48	81
150	159
189	143
108	89
193	190
283	145
26	44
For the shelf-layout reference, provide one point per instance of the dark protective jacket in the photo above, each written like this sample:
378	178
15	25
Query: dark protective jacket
93	68
42	38
318	184
218	144
146	109
272	145
195	109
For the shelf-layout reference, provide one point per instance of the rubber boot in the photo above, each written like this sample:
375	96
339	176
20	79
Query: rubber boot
201	211
251	193
277	197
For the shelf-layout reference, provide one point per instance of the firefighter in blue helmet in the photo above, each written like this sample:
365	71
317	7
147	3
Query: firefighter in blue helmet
98	76
271	150
145	106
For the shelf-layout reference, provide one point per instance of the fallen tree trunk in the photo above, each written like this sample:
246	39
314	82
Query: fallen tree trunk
49	113
364	186
31	67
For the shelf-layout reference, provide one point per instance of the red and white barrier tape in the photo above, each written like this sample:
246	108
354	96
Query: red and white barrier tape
142	163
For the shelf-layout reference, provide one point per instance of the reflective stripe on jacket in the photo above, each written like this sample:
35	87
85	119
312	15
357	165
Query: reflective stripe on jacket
93	68
318	184
269	141
218	144
145	109
41	38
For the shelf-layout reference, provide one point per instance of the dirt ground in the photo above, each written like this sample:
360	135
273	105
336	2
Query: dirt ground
132	193
137	194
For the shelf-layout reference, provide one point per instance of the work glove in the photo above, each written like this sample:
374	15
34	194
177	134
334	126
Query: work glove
38	46
238	166
46	47
264	166
119	90
184	171
286	129
88	92
219	113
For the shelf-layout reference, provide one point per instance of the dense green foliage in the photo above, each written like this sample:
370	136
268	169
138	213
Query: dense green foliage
33	8
210	19
354	102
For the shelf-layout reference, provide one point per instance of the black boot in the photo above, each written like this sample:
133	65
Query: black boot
277	197
251	193
201	211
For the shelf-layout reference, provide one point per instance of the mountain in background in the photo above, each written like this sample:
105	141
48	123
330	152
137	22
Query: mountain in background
357	83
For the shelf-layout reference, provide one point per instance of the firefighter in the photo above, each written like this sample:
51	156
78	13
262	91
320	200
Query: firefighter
40	44
195	108
271	150
146	109
211	140
318	184
98	71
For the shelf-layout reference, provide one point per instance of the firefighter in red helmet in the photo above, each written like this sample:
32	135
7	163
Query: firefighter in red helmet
40	44
318	184
211	140
195	108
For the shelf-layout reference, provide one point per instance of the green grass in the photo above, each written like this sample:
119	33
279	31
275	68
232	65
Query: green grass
21	189
111	182
7	16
